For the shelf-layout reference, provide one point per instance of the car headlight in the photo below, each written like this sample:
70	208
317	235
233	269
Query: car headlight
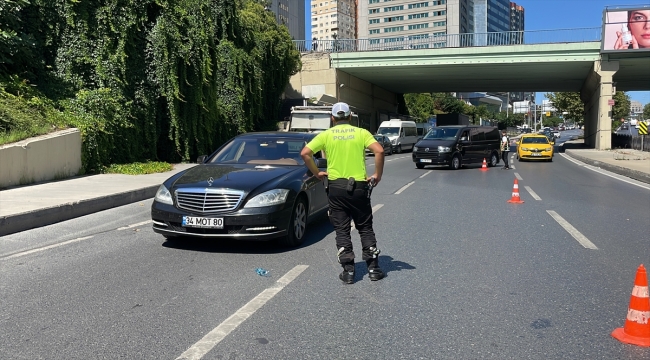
268	198
524	148
164	196
444	149
393	141
415	148
548	149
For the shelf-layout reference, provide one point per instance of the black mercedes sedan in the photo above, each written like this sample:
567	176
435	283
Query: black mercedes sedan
254	187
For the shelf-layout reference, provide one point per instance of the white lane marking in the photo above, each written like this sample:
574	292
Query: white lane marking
573	231
426	173
532	193
374	209
404	188
512	167
518	176
134	225
606	173
23	253
203	346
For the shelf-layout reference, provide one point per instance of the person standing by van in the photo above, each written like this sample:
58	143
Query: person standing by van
349	186
505	149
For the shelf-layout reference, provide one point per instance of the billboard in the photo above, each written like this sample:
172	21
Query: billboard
626	30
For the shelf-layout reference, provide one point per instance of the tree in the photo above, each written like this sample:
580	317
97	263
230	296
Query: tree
420	106
570	103
445	103
178	77
646	111
621	108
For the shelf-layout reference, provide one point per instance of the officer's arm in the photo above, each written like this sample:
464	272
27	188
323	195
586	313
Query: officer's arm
308	156
378	150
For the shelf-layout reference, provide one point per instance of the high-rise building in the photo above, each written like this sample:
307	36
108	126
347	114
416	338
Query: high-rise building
398	21
517	22
491	16
291	14
333	19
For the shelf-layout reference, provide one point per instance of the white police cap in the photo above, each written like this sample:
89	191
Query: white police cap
340	110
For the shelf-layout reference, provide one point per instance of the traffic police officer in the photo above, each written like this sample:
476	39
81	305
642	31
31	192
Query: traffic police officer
348	194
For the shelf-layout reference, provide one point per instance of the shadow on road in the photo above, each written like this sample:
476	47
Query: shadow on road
387	264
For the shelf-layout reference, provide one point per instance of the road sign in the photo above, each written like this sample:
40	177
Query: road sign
548	114
611	102
643	128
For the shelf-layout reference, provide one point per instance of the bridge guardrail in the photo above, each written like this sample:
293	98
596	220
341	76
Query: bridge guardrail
427	41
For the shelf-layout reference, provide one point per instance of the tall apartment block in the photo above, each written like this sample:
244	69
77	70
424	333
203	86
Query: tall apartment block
333	19
385	22
517	22
291	14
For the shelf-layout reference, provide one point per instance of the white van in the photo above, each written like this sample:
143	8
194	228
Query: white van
402	134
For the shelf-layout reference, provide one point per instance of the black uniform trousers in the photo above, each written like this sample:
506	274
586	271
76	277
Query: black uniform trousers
344	205
504	156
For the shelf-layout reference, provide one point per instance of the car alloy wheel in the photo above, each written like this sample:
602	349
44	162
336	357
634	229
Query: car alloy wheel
455	163
297	225
494	160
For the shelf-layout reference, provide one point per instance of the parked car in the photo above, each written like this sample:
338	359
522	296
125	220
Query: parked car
385	142
254	187
534	147
456	145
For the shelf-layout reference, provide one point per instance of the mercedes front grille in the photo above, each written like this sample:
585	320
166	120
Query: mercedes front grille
208	200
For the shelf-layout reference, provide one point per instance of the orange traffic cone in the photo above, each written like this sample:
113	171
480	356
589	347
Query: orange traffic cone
484	166
515	199
637	323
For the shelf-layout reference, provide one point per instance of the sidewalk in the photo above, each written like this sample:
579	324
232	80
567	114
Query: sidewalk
28	207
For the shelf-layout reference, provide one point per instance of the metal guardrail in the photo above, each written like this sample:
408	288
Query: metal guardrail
427	41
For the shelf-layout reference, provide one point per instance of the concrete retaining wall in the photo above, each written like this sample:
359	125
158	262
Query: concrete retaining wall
48	157
317	78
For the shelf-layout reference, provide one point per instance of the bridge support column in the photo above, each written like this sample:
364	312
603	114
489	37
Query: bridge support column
596	92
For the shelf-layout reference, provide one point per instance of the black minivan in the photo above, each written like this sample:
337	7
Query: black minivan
456	145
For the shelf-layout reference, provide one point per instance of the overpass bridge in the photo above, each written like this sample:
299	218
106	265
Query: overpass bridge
533	61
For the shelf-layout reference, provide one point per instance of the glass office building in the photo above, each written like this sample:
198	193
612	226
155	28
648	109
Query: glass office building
291	14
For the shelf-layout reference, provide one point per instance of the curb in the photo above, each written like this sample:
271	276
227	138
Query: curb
636	175
47	216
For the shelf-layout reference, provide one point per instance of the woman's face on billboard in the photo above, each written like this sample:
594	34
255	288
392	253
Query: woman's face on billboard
639	23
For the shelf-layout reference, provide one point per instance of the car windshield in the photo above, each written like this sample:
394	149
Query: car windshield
261	151
534	140
388	131
441	134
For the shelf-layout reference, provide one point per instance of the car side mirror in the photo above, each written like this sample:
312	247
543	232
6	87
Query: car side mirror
201	159
321	163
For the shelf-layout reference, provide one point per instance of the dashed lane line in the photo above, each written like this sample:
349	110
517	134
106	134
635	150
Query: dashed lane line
404	188
23	253
134	225
532	193
211	339
426	173
572	231
518	176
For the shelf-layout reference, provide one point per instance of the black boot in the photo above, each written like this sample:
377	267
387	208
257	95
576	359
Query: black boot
374	271
347	277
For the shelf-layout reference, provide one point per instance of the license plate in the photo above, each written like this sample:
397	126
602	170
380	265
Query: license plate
202	222
425	160
536	154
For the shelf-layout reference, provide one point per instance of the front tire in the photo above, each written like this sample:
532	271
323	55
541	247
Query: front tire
419	166
455	163
494	160
297	225
399	149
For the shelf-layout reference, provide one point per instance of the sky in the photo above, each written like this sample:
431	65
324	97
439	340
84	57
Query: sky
554	14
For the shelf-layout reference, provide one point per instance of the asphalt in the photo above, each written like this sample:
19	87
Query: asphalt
27	207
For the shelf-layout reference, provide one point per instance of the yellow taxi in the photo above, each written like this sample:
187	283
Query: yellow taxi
535	147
